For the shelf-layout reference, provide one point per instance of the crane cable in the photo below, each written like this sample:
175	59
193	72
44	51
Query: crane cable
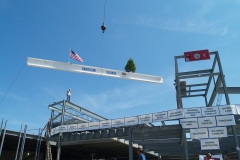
13	82
103	27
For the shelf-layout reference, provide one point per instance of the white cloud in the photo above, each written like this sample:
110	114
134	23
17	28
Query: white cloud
181	25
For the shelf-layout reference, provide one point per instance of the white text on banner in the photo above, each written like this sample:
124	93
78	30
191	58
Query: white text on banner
82	126
175	114
147	118
93	125
225	120
72	127
217	132
199	133
160	116
206	122
118	122
210	111
207	144
192	112
189	123
227	109
131	121
63	128
105	124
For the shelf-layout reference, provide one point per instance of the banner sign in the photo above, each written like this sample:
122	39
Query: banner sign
131	121
225	120
217	132
199	133
83	126
210	111
63	128
160	116
175	114
57	130
53	131
189	118
227	109
214	157
192	112
72	127
206	122
208	144
189	123
118	122
196	55
93	125
105	124
147	118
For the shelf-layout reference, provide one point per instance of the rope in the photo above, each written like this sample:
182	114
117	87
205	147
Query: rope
104	11
103	32
13	82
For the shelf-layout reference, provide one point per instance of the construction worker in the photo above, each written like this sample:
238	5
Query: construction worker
68	94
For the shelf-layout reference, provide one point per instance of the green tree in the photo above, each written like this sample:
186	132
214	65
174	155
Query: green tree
130	66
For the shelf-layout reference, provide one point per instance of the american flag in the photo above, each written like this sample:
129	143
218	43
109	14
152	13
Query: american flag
75	56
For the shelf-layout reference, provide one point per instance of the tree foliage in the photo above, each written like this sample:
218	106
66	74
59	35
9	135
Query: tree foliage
130	66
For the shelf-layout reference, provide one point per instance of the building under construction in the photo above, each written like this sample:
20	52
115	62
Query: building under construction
164	142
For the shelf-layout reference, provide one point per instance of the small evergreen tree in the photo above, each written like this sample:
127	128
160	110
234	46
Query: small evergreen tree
130	66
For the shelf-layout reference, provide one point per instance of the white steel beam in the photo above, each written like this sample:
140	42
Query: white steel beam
35	62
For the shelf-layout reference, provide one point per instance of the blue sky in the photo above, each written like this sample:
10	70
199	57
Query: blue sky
149	32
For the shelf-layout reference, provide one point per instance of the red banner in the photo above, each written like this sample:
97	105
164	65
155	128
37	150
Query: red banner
196	55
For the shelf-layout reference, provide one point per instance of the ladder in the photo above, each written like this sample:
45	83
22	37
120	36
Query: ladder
49	152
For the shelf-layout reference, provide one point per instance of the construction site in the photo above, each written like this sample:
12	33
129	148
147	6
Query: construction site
75	133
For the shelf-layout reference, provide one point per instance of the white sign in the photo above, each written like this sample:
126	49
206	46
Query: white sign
192	112
217	132
225	120
206	122
207	144
199	133
118	122
175	114
63	128
105	124
72	127
57	129
227	109
53	131
238	108
93	125
189	123
161	116
210	111
147	118
83	126
131	121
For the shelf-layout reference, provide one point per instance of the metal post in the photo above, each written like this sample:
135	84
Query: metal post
3	137
60	132
1	128
130	143
36	153
23	142
39	146
178	91
20	135
205	100
228	102
185	144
